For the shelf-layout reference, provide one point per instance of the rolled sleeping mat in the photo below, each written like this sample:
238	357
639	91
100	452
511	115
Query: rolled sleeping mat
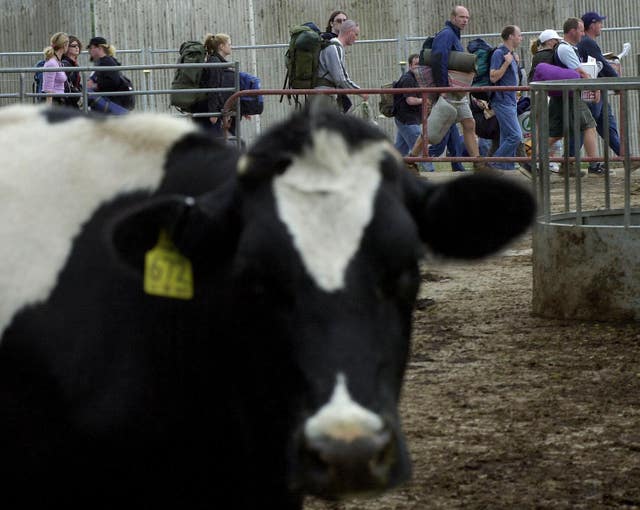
458	60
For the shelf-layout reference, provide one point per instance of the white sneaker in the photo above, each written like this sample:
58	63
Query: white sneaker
554	167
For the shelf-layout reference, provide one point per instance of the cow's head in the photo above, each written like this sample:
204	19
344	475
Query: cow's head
322	232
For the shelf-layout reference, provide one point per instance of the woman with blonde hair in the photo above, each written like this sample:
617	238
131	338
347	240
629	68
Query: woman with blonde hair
54	82
102	54
218	48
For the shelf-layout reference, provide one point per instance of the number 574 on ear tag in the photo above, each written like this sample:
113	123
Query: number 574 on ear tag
167	272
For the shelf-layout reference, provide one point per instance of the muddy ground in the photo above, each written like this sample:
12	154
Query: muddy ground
506	410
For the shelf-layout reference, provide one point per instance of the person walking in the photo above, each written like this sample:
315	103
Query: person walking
102	54
567	56
542	50
334	24
504	72
74	80
446	41
407	110
218	48
332	71
54	82
588	47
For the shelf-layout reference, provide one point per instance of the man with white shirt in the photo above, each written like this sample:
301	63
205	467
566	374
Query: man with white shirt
566	55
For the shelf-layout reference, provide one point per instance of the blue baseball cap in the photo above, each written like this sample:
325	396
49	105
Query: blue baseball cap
591	17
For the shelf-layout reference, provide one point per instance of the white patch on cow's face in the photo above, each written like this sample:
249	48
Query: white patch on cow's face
326	199
44	203
342	419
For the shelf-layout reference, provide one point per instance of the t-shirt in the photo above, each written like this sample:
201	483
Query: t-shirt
404	112
568	56
53	82
509	78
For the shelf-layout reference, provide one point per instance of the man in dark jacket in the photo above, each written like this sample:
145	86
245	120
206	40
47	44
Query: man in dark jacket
588	47
446	41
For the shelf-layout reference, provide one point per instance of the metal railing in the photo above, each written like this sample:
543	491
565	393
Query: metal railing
571	92
424	93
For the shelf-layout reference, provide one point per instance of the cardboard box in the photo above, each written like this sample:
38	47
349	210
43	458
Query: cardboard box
589	96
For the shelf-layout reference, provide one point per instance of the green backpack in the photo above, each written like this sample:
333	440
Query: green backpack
191	52
302	57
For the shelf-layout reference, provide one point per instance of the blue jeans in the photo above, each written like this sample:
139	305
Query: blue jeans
453	143
484	146
510	132
406	136
597	111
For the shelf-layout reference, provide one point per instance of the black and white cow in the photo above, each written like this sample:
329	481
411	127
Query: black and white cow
281	375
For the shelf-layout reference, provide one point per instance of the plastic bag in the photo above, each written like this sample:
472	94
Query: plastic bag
364	111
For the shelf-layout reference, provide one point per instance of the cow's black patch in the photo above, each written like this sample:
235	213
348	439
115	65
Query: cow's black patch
274	151
63	114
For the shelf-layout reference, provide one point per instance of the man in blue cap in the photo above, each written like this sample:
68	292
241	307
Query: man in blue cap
588	47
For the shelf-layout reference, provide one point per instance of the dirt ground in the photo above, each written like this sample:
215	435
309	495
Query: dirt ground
506	410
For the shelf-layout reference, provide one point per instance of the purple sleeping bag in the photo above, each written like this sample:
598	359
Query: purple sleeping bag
546	72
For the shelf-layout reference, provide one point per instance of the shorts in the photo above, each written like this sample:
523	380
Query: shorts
462	108
555	116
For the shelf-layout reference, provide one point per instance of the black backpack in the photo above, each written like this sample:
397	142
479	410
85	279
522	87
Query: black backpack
126	101
426	45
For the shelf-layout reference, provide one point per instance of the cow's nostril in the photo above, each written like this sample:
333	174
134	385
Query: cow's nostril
335	467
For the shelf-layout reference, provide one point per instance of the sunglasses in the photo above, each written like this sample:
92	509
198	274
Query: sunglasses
73	46
337	20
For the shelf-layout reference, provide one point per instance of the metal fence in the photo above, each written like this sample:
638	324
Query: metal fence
627	91
372	62
586	256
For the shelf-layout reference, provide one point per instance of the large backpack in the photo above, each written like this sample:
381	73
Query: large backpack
483	52
303	57
250	105
386	101
191	52
36	87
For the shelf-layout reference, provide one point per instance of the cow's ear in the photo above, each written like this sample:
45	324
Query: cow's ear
470	217
137	230
206	227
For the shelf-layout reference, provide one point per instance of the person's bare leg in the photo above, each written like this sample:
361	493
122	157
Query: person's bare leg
469	135
590	142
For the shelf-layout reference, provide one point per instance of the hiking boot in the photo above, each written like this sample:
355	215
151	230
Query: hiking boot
600	169
572	170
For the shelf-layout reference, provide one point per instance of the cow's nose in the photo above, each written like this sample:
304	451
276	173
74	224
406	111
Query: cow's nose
338	468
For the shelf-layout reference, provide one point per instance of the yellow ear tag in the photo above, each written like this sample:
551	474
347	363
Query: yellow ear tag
167	272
